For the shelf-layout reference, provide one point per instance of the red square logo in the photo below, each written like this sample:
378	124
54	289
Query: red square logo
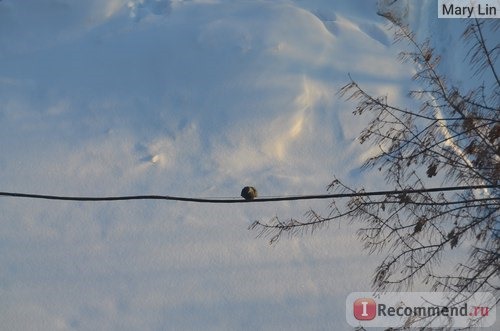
365	309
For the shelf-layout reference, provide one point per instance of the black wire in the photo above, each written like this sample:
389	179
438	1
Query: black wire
238	200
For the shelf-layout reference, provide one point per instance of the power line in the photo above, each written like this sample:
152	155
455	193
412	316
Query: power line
239	200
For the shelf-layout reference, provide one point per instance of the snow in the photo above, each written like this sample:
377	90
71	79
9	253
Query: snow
187	98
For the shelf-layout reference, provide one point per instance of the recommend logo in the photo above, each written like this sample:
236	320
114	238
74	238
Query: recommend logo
420	309
364	309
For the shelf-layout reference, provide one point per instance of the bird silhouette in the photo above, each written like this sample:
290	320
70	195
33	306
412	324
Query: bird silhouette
249	193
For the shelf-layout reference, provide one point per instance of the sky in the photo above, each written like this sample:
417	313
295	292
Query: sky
194	98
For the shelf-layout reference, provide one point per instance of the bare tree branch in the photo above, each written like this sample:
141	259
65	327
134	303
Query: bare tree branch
454	137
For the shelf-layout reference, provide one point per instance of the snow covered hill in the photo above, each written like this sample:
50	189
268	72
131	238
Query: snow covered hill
189	98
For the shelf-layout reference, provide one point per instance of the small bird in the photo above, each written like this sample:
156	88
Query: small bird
249	193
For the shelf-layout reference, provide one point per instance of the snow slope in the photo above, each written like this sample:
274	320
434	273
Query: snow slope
188	98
